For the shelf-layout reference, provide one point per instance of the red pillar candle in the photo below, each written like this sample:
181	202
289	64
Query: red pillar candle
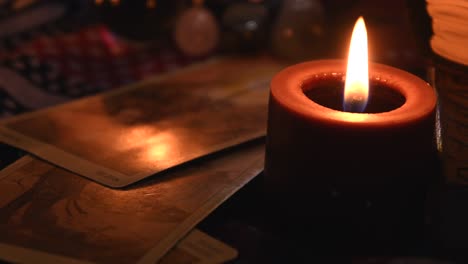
309	142
352	169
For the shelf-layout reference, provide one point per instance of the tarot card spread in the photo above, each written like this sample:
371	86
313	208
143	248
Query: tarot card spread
121	137
52	212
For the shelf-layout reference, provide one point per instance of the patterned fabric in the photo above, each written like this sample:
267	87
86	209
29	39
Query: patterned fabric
47	18
48	61
27	83
96	56
50	53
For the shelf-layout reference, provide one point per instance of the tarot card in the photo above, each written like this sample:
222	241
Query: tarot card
120	137
58	213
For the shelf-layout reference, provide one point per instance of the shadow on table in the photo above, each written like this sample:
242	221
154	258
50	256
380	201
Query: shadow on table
241	223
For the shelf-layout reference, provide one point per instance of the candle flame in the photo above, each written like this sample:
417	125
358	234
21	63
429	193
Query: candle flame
357	73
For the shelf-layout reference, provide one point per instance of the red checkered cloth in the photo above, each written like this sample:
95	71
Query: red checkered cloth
96	56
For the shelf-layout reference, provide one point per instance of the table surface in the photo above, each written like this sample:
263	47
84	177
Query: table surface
240	223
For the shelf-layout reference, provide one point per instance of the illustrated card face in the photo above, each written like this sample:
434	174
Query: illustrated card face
121	137
51	215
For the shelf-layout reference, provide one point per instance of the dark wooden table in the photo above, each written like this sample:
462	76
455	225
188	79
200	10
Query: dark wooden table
240	223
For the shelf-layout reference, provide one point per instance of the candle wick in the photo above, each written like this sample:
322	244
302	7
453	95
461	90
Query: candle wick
356	103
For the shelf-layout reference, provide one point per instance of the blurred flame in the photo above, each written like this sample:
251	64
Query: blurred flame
357	73
151	4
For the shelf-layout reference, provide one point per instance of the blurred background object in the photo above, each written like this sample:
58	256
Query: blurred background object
196	31
292	30
450	27
449	43
245	27
298	31
138	19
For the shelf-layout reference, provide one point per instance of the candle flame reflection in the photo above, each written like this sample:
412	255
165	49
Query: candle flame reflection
357	73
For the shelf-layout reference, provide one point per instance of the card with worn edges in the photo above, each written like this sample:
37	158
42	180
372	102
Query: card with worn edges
196	248
123	136
50	215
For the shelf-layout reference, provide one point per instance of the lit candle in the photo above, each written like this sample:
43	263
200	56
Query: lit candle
318	153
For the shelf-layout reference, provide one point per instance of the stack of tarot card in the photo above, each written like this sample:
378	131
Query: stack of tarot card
125	176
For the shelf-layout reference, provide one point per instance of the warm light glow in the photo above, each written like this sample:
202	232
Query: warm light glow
151	4
357	73
198	2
